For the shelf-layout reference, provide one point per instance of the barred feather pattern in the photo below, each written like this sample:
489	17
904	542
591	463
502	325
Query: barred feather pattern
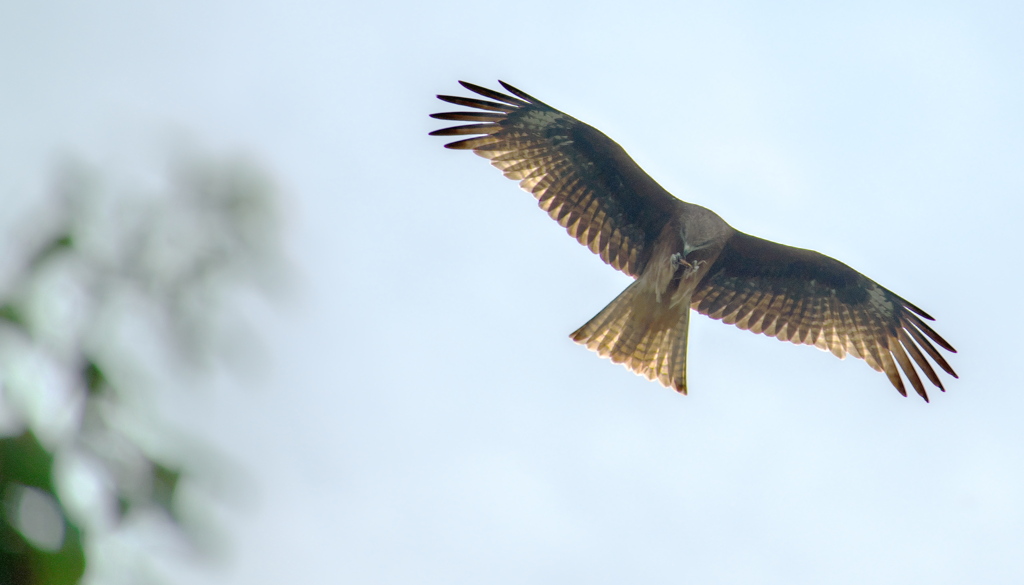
805	297
645	335
579	176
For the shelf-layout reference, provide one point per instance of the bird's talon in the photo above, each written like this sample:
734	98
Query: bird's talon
678	260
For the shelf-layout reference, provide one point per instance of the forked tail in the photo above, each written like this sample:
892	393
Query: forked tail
643	333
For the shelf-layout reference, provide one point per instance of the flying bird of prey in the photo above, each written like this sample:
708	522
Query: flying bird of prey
685	256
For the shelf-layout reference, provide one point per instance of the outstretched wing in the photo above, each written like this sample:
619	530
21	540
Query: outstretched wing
583	179
808	298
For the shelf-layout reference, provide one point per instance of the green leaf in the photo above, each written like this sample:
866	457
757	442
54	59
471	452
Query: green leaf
24	460
65	566
95	380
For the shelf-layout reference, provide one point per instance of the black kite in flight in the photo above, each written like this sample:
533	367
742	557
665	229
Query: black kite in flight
685	256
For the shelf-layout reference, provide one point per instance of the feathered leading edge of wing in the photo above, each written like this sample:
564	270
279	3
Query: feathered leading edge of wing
584	180
805	297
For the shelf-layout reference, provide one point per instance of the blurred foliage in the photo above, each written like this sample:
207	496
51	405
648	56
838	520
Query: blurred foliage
116	293
25	463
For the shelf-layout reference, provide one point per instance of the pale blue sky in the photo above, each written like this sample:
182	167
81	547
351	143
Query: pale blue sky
427	419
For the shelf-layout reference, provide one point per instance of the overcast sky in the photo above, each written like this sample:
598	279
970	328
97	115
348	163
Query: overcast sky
426	418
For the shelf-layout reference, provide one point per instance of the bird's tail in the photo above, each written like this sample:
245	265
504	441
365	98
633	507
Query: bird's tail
645	333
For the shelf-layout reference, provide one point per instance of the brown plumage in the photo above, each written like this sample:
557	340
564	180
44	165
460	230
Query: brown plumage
685	256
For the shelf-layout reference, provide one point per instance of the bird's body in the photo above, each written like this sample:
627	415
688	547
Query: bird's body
685	256
646	326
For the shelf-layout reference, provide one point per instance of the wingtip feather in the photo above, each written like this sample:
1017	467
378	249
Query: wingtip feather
471	143
520	93
477	103
494	95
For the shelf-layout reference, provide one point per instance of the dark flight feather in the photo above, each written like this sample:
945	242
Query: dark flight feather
579	176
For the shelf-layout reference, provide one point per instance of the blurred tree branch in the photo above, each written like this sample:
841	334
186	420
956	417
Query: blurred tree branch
117	293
